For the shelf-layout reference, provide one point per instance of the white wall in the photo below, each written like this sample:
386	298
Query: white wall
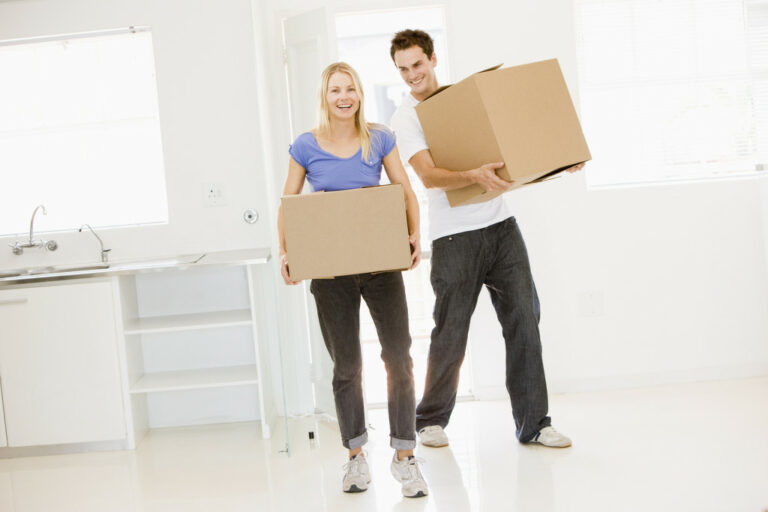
638	286
207	82
678	271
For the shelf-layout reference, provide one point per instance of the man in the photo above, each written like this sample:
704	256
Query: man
472	246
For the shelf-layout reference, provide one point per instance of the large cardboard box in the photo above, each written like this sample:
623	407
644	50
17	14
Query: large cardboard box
522	116
329	234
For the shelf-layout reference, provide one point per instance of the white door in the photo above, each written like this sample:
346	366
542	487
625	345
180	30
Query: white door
307	52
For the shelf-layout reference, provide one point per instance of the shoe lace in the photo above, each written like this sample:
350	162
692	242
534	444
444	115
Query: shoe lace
414	473
431	428
352	466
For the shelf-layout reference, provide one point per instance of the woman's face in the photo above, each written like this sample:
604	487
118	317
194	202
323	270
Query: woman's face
342	98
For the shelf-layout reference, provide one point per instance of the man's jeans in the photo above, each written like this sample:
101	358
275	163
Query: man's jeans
496	257
338	308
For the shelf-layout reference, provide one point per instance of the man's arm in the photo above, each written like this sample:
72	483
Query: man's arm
436	177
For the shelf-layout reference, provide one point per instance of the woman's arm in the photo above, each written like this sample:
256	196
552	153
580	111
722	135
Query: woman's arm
397	174
293	185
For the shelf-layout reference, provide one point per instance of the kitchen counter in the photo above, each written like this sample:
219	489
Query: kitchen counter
59	272
118	342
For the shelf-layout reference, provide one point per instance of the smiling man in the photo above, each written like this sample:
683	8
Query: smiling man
472	245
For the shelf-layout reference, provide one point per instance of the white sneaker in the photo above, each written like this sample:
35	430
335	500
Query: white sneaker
548	436
357	476
407	472
433	436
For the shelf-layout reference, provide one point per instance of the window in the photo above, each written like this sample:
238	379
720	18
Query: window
363	42
80	132
674	90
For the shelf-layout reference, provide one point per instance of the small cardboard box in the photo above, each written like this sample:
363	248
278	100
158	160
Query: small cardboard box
329	234
522	116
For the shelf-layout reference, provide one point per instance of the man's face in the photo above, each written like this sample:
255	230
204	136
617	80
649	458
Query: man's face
417	70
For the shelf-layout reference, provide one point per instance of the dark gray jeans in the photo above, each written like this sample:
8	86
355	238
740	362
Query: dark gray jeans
496	257
338	308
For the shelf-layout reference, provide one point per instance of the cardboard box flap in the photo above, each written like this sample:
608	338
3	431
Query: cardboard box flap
444	87
437	91
492	68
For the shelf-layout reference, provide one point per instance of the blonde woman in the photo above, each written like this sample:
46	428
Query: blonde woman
345	152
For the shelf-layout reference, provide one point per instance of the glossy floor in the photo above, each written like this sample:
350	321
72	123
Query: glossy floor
693	447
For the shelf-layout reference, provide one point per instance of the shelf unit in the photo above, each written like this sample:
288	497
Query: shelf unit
188	322
138	328
195	379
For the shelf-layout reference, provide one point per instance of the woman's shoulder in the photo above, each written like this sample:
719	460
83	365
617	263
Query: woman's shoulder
305	139
383	136
380	130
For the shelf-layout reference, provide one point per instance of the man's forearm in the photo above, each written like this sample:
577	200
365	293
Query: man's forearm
436	177
444	179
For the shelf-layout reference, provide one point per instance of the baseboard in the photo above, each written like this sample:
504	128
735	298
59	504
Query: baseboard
612	382
60	449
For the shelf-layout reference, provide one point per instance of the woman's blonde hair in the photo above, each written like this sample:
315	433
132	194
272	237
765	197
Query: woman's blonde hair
324	117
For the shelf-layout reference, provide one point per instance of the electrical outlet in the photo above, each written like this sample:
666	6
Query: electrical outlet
213	194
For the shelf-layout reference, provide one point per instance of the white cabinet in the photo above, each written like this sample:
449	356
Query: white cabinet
59	368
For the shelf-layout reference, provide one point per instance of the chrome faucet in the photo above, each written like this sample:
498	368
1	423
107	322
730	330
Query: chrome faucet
104	252
19	247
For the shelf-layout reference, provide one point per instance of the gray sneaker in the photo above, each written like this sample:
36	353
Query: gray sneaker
407	472
548	436
433	436
357	476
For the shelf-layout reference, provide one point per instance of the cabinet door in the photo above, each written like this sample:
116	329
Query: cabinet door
59	365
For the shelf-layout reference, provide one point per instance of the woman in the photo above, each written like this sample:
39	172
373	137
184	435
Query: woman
344	152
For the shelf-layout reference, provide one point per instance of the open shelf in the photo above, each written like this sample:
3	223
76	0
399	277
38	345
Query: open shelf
188	322
196	379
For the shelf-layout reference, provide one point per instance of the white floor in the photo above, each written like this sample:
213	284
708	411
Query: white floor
694	447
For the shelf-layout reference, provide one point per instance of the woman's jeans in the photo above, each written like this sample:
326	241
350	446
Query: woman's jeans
338	308
496	257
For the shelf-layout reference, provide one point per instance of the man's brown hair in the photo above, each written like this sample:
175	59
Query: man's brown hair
407	38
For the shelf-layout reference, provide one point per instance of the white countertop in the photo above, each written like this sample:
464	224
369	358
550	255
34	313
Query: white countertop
52	272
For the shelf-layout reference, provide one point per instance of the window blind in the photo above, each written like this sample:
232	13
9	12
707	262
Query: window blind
673	90
80	132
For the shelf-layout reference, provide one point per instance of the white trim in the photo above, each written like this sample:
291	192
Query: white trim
640	380
75	35
748	175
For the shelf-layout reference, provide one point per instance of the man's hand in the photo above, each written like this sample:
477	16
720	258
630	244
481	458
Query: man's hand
576	168
486	177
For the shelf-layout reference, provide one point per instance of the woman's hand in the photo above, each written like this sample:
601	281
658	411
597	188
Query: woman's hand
284	270
415	250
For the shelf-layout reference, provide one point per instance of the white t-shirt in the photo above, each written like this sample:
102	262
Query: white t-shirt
443	220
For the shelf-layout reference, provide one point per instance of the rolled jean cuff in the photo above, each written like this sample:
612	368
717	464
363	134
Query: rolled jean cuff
356	442
402	444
